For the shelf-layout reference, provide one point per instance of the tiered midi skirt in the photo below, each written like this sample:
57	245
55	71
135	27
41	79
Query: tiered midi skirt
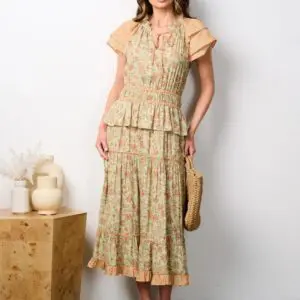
140	232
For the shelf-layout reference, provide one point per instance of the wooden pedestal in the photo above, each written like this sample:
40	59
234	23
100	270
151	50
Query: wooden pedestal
41	257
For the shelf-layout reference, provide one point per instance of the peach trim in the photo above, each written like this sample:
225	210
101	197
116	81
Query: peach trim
202	51
115	45
140	276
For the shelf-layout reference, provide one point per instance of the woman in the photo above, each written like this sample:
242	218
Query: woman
143	138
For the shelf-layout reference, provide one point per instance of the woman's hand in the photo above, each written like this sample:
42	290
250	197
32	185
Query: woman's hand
101	143
190	148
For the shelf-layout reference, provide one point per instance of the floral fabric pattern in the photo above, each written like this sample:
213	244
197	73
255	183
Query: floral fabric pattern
140	232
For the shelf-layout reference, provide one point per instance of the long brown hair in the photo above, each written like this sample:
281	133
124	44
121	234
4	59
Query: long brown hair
145	9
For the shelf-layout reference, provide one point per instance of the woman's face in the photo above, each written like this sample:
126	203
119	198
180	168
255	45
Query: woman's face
161	4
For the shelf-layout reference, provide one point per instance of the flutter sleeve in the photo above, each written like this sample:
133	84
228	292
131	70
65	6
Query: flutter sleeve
199	39
120	37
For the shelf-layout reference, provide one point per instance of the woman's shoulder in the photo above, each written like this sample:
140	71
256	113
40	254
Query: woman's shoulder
199	37
128	25
120	37
193	25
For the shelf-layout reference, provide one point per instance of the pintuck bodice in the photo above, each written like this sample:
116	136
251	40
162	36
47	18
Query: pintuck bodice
155	75
162	68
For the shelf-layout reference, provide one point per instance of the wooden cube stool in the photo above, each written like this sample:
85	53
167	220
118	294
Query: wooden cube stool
41	257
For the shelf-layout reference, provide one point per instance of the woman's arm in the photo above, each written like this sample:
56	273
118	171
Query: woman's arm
101	143
206	75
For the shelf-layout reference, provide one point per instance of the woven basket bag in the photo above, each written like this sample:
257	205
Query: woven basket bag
194	186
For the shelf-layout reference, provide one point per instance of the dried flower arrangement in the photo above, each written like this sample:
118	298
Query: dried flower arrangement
22	166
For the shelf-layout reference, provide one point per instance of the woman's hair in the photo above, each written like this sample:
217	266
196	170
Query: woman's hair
145	9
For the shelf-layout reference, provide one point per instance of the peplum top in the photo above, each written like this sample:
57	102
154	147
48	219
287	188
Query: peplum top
154	77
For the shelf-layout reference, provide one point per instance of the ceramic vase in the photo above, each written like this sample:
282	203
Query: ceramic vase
47	168
50	168
20	202
47	197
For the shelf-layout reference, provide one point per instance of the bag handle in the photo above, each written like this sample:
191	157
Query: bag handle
189	161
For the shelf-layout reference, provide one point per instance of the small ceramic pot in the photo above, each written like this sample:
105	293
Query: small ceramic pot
47	197
20	202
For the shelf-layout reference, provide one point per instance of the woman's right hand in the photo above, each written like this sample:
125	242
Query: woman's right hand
101	143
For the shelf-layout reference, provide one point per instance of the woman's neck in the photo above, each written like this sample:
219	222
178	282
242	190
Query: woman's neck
162	17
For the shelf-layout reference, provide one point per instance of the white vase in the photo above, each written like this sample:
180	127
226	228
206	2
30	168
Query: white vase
47	197
50	168
20	202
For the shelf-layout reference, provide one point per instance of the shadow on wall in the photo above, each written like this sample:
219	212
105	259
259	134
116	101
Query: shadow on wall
211	249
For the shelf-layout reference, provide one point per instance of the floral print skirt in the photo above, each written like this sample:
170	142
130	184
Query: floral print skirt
140	232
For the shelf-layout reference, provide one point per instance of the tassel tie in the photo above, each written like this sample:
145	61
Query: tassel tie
167	40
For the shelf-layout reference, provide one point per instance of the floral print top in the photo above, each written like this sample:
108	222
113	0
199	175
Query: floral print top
155	76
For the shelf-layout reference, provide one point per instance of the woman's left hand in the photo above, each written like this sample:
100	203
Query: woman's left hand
190	148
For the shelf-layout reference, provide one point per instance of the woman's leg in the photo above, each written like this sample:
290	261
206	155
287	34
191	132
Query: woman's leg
165	292
144	290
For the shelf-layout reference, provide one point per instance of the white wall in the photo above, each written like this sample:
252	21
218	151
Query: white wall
55	72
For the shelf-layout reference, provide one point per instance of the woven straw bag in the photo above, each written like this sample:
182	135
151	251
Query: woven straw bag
194	186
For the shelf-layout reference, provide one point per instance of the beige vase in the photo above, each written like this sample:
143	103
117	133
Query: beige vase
47	197
20	203
47	168
50	168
